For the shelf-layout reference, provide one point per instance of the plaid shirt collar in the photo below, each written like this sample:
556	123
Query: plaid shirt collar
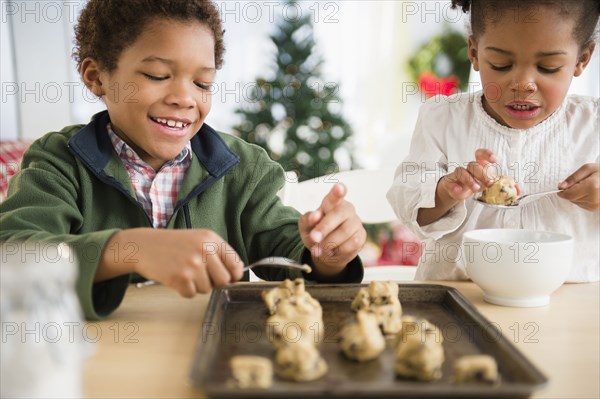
128	154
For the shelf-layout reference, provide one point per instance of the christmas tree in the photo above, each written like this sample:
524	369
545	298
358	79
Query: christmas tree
295	115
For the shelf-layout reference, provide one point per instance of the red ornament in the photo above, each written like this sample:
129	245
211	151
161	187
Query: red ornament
431	85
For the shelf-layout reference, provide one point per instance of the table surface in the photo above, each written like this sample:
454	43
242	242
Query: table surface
147	346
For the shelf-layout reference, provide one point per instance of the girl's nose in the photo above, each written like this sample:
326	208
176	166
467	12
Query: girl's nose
523	83
525	87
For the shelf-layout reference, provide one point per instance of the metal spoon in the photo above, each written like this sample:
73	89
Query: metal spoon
279	261
521	200
271	261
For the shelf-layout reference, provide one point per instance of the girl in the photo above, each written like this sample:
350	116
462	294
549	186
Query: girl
522	124
147	187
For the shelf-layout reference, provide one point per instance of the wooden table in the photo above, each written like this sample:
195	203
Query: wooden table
147	345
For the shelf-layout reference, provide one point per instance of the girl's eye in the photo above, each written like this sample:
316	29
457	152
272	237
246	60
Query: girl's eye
548	70
156	78
500	67
203	86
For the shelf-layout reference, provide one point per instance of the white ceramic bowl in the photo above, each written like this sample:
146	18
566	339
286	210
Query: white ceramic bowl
517	267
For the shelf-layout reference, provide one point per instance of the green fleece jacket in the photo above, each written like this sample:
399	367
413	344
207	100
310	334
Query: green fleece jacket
73	188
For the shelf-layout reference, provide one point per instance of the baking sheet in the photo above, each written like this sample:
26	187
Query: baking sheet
235	324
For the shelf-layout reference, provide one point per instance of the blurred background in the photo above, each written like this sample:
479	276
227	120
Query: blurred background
363	47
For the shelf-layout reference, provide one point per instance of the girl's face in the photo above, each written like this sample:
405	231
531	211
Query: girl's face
526	64
159	94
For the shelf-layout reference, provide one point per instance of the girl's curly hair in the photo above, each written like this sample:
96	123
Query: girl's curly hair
106	27
585	13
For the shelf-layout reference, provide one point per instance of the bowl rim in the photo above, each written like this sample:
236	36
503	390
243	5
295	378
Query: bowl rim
556	237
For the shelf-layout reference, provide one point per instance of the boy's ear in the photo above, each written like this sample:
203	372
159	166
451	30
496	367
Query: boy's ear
472	52
90	74
584	59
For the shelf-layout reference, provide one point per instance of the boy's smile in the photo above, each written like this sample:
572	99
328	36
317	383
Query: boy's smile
526	66
159	95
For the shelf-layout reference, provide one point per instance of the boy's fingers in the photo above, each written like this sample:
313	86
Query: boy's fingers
220	274
202	279
330	222
233	264
333	198
187	289
348	234
307	221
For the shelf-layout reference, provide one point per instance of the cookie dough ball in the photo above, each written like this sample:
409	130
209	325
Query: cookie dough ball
273	297
299	361
290	291
381	299
383	292
388	317
476	369
362	340
294	327
418	359
302	304
502	192
361	300
251	372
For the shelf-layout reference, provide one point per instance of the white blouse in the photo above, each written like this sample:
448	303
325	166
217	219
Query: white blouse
448	132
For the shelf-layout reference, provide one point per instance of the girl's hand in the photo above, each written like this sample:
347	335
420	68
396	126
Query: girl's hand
333	233
459	185
583	187
190	261
464	182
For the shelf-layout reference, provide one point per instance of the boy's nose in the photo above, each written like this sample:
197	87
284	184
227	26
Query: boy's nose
180	95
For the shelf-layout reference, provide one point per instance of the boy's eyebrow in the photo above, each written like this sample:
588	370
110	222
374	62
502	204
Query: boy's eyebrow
538	54
154	58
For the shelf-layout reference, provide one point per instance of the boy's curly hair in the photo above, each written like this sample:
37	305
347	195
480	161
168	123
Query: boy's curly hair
585	13
107	27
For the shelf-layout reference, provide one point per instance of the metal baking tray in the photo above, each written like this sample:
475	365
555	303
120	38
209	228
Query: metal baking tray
235	324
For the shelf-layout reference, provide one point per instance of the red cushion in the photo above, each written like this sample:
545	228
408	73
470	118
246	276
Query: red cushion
11	153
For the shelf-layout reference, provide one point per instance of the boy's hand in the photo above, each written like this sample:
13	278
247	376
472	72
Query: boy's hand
190	261
333	233
583	187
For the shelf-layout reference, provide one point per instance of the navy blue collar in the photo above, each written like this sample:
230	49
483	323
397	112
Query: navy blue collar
93	147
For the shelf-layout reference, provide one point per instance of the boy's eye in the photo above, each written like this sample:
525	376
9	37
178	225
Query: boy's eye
152	77
548	70
500	67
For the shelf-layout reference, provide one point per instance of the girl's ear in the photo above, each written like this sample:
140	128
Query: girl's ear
472	52
90	74
584	59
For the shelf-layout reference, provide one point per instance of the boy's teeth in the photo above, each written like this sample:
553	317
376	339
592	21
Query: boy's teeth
521	107
170	123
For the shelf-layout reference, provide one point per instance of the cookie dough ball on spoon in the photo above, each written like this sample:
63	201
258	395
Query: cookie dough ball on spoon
502	192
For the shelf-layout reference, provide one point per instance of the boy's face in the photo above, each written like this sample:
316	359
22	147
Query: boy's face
526	63
159	94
